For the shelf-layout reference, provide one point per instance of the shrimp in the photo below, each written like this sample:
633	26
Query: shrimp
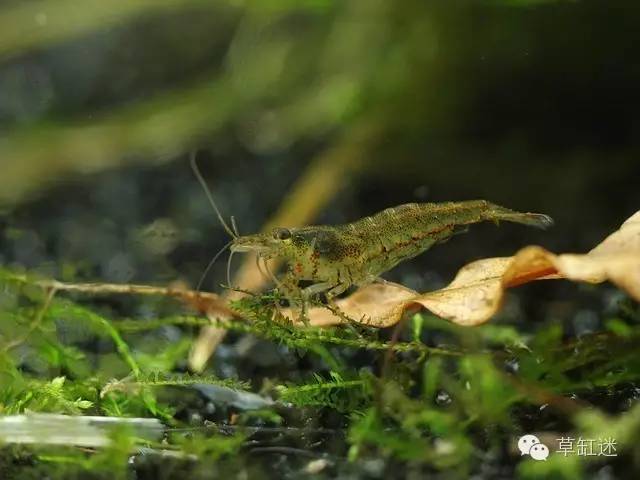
334	258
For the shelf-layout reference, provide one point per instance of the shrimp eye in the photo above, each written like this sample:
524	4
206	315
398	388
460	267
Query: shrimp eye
282	233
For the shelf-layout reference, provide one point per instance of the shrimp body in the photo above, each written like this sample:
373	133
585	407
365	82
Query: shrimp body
333	258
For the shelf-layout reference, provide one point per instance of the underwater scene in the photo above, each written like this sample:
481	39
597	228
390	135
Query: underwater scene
357	239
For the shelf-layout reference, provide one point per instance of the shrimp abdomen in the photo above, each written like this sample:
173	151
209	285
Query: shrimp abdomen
399	233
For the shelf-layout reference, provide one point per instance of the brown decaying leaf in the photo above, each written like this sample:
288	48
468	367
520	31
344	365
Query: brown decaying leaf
376	305
477	291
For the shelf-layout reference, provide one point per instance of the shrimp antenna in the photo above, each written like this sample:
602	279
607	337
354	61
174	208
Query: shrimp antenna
213	260
196	171
234	226
229	268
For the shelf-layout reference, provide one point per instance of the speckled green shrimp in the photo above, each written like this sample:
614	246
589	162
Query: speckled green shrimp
333	258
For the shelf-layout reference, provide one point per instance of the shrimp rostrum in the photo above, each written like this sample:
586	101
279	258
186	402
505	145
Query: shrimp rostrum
334	258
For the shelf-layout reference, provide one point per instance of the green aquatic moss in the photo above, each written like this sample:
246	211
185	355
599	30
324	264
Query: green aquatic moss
415	402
